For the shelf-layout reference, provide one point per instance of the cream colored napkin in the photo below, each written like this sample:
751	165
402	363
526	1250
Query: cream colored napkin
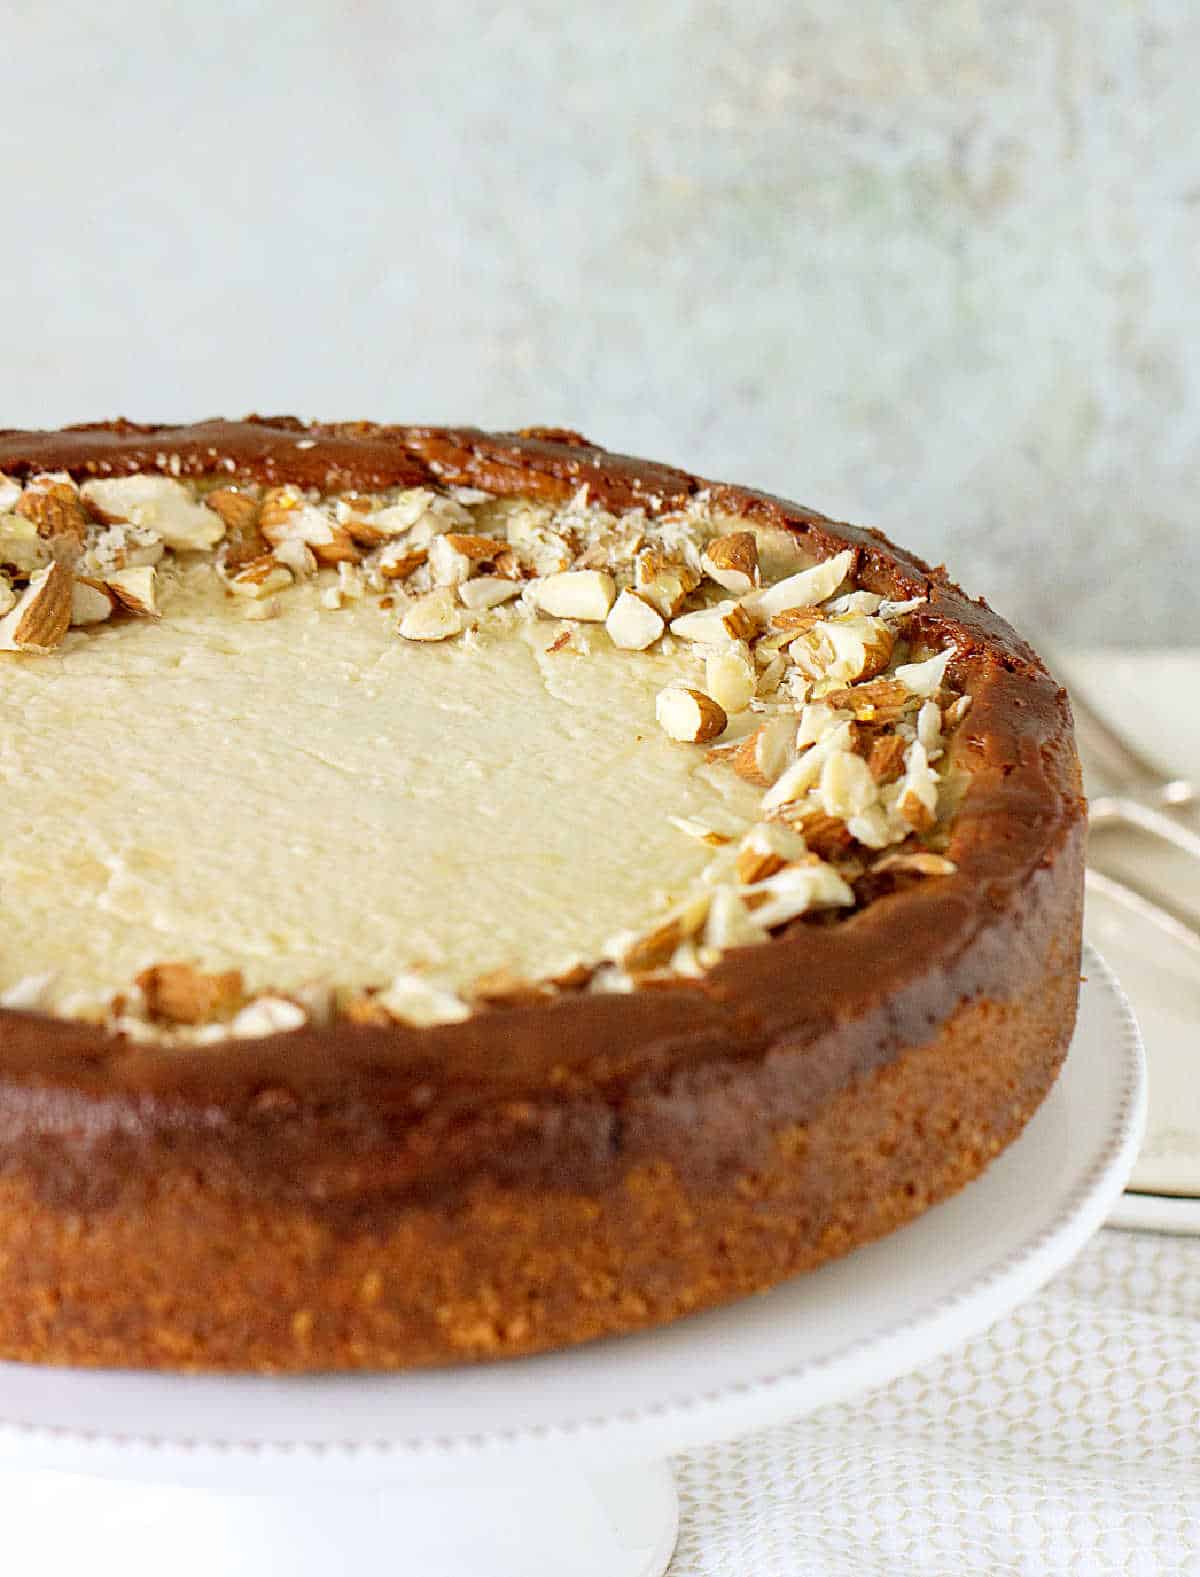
1066	1440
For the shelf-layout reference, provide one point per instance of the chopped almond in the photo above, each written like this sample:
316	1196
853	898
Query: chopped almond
689	716
42	615
480	550
243	540
58	513
136	590
182	994
886	758
732	561
827	836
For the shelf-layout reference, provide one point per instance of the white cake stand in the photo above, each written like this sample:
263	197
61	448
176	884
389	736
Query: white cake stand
555	1464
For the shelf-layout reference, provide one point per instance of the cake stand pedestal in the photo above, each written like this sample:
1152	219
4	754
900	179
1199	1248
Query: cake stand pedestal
556	1464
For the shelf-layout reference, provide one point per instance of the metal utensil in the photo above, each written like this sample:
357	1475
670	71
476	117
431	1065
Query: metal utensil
1142	796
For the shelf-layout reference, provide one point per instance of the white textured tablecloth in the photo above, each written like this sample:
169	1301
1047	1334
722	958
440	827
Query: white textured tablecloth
1066	1440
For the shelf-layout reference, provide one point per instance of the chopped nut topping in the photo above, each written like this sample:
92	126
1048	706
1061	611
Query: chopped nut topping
662	582
689	715
268	1015
878	701
802	590
576	594
91	602
727	621
886	760
730	677
137	590
182	994
42	615
764	755
480	550
732	561
57	512
925	678
432	618
921	863
487	591
826	834
239	512
633	623
396	563
286	515
160	503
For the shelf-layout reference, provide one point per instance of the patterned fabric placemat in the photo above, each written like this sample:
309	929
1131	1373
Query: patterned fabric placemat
1066	1440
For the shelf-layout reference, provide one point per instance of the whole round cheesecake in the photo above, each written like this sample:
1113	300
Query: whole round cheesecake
466	894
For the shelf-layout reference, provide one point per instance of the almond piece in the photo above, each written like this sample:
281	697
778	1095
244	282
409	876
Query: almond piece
487	591
662	582
639	952
730	677
8	597
576	594
921	863
764	755
136	590
802	590
243	540
877	701
42	615
846	787
261	577
268	1015
730	923
57	511
917	799
826	835
413	999
91	602
755	865
725	621
853	646
689	716
633	624
926	678
435	617
182	994
159	503
447	566
397	563
287	514
21	549
300	558
480	550
367	1011
956	711
503	987
797	619
886	760
732	561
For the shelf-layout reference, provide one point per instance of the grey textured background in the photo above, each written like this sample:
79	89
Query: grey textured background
931	266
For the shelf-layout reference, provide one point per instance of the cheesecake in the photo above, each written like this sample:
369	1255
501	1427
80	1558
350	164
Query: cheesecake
469	894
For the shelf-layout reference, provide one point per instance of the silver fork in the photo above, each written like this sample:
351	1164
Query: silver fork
1142	797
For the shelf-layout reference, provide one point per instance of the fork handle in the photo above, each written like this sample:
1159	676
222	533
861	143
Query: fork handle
1132	813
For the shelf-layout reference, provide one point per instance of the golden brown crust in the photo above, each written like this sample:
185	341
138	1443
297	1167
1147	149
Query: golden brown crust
563	1167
